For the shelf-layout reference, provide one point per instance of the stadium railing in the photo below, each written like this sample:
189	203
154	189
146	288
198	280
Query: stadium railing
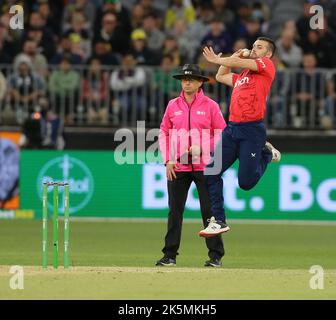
120	97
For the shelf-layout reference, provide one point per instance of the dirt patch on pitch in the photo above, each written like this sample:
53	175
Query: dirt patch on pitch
33	270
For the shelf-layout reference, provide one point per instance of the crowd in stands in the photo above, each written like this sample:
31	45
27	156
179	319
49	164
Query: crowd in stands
108	29
61	36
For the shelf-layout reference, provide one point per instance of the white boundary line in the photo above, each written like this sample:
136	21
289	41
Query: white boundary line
199	221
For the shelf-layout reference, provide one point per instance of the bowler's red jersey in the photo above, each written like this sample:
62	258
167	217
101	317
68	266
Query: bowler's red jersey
250	90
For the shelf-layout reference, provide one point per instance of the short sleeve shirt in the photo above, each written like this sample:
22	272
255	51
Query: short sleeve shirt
250	91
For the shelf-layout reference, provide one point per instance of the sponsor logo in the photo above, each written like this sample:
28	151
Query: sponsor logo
262	63
242	81
295	191
74	171
16	214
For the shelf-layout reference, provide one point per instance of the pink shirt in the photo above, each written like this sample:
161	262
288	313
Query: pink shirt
183	125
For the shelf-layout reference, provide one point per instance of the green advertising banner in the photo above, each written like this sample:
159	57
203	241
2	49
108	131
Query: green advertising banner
300	187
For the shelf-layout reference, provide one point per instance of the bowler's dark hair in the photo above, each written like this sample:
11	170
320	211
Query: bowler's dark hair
271	44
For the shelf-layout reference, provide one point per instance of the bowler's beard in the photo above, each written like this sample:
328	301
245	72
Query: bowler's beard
253	55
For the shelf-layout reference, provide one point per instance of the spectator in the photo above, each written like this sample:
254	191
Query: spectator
288	51
43	129
261	12
211	86
222	12
290	25
95	93
5	5
188	44
150	9
328	115
51	128
155	37
240	43
171	47
278	99
111	33
121	13
51	14
63	89
165	86
103	52
140	50
87	8
8	47
5	58
36	34
66	49
128	84
309	89
218	38
137	17
302	24
38	31
214	89
328	39
79	35
36	20
38	60
332	15
14	36
201	27
238	29
253	31
179	9
313	43
25	88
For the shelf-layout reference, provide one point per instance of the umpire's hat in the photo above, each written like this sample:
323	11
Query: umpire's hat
191	71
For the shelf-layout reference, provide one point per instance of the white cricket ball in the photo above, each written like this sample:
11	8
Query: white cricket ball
246	53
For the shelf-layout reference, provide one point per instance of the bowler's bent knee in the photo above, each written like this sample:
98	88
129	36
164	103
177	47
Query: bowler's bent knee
246	185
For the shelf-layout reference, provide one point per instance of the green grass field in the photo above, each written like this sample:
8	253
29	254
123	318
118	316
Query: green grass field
115	260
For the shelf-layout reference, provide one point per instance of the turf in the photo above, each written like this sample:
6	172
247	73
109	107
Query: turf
114	260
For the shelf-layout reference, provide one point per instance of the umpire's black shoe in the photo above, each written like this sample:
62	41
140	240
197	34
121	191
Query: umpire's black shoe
166	262
213	263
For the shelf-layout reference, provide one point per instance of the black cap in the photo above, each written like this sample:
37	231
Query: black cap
191	71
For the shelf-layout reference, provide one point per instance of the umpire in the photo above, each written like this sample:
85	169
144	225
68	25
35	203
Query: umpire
191	125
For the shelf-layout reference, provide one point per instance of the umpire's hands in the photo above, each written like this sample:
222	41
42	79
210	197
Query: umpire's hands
195	151
170	170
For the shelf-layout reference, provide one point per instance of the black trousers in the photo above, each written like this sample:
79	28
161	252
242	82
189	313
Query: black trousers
177	196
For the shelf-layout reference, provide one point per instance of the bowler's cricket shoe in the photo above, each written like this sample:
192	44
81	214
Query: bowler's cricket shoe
276	155
216	263
214	228
166	262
